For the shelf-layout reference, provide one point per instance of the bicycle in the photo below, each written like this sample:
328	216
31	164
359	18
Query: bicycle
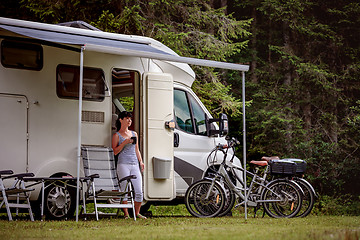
215	195
309	192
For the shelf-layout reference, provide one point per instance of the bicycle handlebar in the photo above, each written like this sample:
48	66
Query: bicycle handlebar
232	142
222	146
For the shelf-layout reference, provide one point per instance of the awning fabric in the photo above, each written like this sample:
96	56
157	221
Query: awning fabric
74	39
105	42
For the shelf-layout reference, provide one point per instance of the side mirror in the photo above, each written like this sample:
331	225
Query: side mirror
223	125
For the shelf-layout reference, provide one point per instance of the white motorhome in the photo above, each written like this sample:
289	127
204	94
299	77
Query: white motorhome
42	68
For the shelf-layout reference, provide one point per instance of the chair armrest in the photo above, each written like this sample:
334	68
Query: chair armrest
92	176
20	175
6	172
127	178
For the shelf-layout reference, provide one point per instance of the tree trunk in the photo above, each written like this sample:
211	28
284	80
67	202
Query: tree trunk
287	82
307	111
253	63
218	4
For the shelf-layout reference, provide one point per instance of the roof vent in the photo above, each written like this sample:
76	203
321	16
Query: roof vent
79	24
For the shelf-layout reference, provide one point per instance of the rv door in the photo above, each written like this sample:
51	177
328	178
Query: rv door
13	132
159	137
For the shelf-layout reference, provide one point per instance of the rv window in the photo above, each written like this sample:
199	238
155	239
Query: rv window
190	117
182	111
198	116
67	82
21	55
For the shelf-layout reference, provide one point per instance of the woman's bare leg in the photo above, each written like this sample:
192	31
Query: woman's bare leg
137	208
126	213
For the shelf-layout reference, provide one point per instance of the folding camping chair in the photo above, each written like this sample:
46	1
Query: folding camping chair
104	186
17	196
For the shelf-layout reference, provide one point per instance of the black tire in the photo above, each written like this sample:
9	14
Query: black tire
198	205
230	196
308	197
230	200
59	201
285	197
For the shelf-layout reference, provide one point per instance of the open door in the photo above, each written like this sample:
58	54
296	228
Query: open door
159	139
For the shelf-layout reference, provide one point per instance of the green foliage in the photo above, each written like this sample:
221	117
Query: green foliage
305	87
127	103
218	98
107	22
194	29
342	205
130	19
53	11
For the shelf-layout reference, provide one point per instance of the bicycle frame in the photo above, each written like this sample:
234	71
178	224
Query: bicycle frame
251	196
227	182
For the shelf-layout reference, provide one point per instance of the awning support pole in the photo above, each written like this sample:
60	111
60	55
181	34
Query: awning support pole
79	132
244	140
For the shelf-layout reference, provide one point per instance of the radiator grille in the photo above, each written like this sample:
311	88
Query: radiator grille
93	117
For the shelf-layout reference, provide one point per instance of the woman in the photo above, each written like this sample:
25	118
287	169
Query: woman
125	145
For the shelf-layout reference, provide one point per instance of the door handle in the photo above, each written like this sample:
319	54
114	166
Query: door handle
176	140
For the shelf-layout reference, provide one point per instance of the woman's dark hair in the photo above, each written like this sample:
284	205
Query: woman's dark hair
122	115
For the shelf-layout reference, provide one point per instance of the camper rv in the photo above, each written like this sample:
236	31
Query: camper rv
44	118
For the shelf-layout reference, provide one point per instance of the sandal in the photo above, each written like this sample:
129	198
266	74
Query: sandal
141	216
126	217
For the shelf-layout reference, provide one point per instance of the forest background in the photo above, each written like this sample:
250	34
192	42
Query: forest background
303	87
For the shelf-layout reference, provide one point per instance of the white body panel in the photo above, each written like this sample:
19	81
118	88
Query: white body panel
159	143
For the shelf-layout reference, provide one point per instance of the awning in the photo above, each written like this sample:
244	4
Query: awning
111	43
80	40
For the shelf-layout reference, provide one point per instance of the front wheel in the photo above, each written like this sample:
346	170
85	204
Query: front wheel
282	199
60	201
205	199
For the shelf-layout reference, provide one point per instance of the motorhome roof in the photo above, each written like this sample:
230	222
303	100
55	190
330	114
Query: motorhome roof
112	43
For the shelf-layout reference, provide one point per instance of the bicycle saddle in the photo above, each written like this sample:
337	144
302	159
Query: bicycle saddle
259	163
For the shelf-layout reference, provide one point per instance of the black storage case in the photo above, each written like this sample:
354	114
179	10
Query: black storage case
300	165
281	167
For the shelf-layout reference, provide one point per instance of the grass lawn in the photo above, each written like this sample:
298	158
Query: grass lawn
168	223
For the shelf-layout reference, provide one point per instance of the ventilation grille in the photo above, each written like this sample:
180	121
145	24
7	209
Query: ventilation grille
93	117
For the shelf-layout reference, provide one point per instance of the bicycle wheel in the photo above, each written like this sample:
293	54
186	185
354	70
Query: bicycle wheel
308	199
229	202
197	202
283	199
